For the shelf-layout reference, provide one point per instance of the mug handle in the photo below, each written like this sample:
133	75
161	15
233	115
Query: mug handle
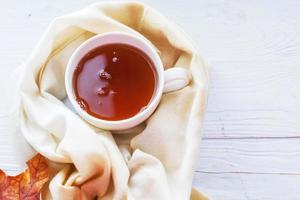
176	79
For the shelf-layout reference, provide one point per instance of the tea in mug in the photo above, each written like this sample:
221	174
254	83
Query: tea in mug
114	82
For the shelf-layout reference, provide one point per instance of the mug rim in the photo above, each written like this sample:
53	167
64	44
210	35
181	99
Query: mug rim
135	119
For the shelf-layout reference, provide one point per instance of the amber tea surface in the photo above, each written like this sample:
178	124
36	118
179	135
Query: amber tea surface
114	82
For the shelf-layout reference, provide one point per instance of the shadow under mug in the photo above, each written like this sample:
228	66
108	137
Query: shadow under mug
167	81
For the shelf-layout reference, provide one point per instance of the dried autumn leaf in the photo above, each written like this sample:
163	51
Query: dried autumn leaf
26	185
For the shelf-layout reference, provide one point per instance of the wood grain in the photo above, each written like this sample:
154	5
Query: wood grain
251	145
263	156
247	186
253	99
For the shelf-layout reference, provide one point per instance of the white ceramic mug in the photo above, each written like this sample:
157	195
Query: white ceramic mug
167	81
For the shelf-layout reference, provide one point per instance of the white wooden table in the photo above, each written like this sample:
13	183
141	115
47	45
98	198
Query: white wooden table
251	145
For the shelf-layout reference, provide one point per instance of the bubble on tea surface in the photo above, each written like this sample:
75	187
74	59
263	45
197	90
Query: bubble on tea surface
104	75
115	59
103	91
83	105
112	92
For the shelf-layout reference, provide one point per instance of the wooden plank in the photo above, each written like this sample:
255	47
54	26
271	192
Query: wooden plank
253	99
223	31
274	156
13	148
240	186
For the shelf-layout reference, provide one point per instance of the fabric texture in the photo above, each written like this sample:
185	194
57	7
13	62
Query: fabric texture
153	161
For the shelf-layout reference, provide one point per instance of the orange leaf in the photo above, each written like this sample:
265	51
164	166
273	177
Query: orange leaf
26	185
